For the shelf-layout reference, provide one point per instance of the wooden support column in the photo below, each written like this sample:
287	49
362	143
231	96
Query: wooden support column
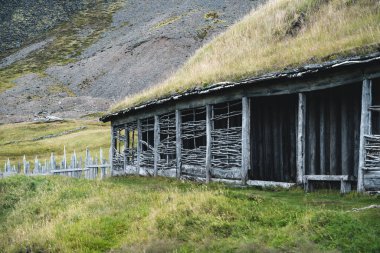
156	143
246	139
126	146
301	132
112	149
365	128
139	147
208	142
178	128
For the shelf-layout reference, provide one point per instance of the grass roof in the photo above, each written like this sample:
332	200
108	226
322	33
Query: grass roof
278	35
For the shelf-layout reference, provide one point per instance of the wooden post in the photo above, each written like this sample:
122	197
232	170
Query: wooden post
139	138
126	146
24	165
64	163
301	131
112	148
208	143
178	125
246	139
365	128
156	143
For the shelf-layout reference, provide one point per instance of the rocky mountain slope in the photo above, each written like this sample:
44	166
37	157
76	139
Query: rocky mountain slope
93	55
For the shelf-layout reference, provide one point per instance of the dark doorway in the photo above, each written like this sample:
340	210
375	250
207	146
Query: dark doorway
273	125
333	131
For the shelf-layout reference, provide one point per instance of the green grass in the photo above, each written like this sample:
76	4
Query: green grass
67	45
134	214
17	140
298	32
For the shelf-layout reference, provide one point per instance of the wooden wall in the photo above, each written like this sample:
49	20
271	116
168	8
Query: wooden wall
376	102
332	131
273	126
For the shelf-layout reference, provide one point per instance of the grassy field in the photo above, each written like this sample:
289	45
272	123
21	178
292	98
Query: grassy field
298	32
134	214
41	139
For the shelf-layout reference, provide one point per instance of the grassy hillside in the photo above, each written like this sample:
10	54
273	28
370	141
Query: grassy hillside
280	34
41	139
57	214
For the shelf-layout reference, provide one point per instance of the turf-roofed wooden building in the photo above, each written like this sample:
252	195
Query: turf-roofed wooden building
319	123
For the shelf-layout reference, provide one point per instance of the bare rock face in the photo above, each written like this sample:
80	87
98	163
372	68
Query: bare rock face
146	42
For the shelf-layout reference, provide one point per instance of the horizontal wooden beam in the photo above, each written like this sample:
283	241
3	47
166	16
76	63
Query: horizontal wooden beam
329	177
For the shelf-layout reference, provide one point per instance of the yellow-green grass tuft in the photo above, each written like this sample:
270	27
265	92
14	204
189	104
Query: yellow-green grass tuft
280	34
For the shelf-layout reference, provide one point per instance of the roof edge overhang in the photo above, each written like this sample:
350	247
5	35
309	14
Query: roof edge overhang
292	73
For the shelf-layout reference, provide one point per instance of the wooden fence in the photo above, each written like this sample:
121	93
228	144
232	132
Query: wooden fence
89	168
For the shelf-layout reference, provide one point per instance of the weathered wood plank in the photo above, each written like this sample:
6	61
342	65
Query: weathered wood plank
208	142
269	184
322	138
345	138
333	136
156	144
246	139
365	128
139	146
178	123
329	177
301	131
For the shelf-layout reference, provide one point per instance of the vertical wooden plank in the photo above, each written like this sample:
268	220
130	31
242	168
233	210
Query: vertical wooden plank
246	139
345	143
156	143
208	142
322	136
178	124
139	147
312	136
126	146
357	114
365	128
113	143
333	135
301	124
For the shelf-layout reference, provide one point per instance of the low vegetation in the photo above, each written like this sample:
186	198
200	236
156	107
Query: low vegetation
297	32
70	39
41	139
134	214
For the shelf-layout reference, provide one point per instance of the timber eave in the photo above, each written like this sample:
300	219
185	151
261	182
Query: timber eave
296	73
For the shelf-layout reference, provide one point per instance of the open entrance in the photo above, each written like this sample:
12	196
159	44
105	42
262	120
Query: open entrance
273	126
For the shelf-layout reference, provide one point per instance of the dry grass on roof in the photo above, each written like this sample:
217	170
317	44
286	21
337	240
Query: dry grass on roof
279	34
